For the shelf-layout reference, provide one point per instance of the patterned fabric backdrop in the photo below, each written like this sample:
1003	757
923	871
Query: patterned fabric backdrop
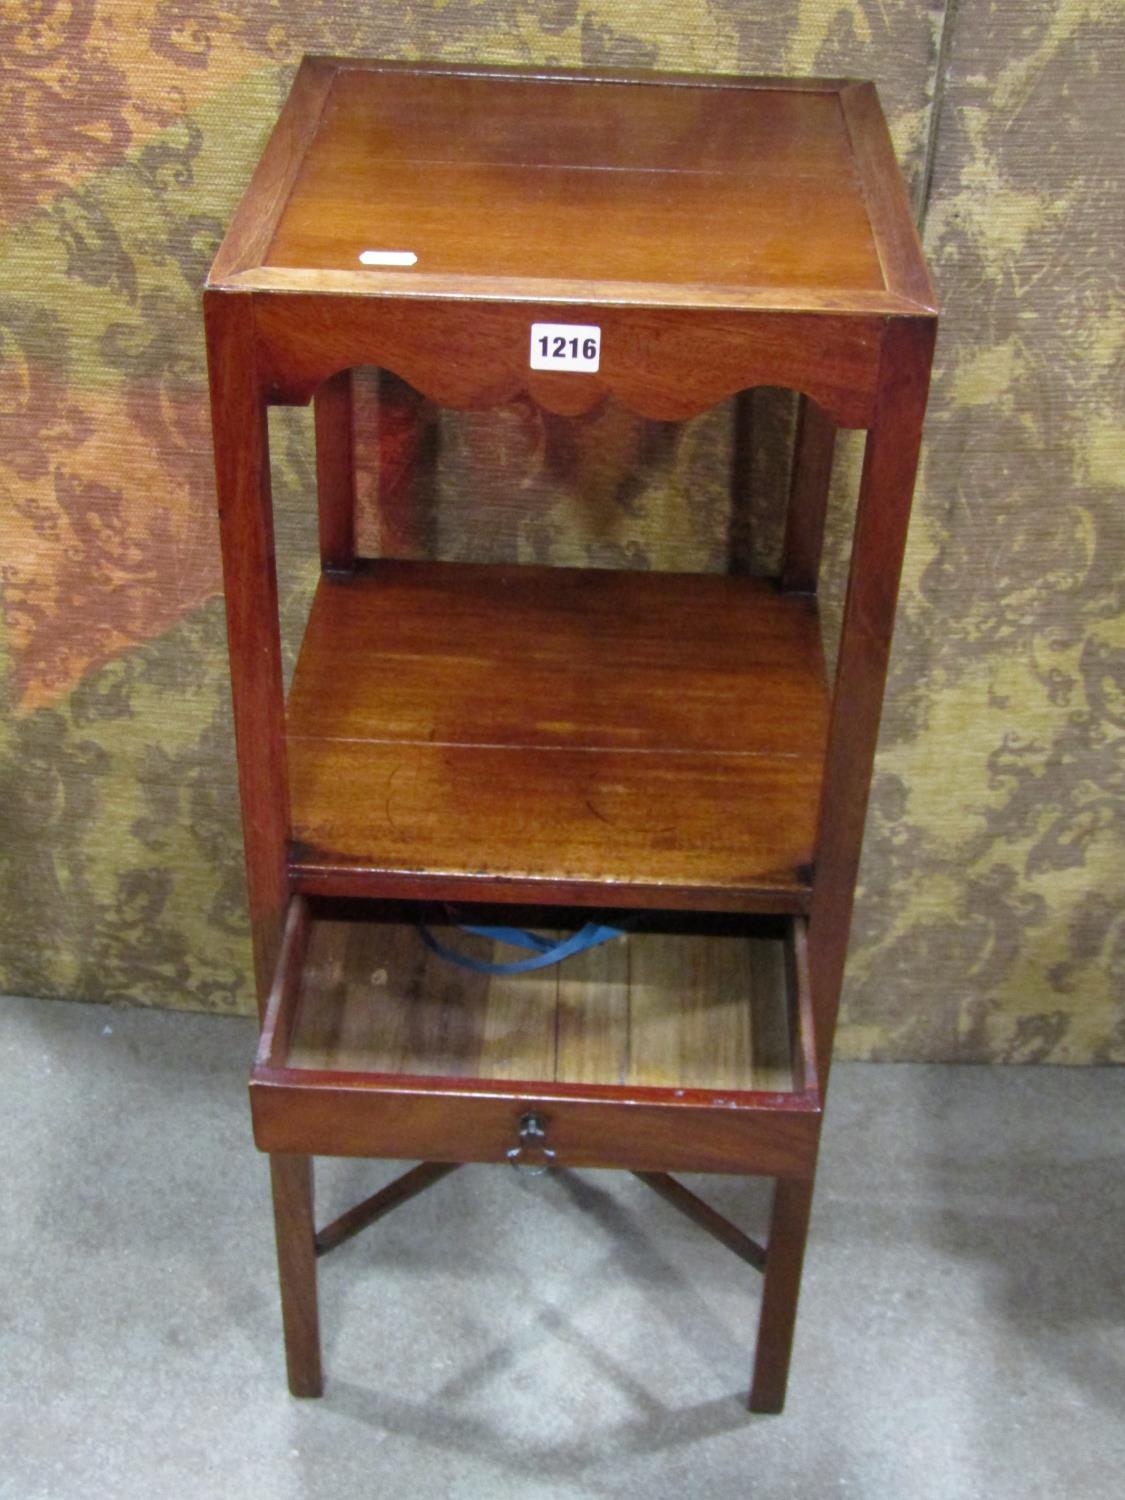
990	923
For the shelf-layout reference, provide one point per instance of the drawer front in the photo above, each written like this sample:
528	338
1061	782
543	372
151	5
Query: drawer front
362	1118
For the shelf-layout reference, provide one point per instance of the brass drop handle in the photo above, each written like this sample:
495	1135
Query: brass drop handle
532	1138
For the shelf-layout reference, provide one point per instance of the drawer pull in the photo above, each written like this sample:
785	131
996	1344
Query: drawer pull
532	1138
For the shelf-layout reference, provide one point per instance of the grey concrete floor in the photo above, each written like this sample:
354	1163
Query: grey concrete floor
961	1329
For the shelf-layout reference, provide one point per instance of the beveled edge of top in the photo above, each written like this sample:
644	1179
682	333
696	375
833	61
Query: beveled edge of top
238	264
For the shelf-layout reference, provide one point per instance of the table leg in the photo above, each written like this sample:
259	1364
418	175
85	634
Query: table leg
785	1252
292	1181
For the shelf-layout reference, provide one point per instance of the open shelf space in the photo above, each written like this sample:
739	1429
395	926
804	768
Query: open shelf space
712	1026
460	731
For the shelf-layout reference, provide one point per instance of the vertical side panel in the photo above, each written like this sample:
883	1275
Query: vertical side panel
886	491
238	417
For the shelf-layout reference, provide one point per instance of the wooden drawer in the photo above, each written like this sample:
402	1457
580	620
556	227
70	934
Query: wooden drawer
661	1051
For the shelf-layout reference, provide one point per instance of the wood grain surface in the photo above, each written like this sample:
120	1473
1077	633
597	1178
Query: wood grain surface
557	727
607	180
565	658
404	162
370	1013
646	1010
663	362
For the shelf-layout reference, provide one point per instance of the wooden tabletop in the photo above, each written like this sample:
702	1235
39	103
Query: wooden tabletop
520	185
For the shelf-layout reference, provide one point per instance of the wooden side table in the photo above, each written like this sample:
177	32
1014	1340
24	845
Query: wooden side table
558	740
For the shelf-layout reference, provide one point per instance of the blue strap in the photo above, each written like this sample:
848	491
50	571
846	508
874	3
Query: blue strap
544	952
515	937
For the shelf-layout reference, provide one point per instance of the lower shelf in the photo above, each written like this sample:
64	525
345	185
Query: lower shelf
658	1051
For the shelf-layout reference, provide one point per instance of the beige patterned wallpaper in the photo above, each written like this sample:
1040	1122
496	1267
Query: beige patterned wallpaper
990	923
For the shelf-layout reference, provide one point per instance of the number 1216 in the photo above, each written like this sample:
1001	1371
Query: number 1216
559	346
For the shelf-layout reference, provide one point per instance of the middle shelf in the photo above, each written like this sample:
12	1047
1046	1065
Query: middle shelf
465	731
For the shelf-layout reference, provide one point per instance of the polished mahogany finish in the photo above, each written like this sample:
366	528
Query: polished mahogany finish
665	746
484	731
658	1050
521	183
